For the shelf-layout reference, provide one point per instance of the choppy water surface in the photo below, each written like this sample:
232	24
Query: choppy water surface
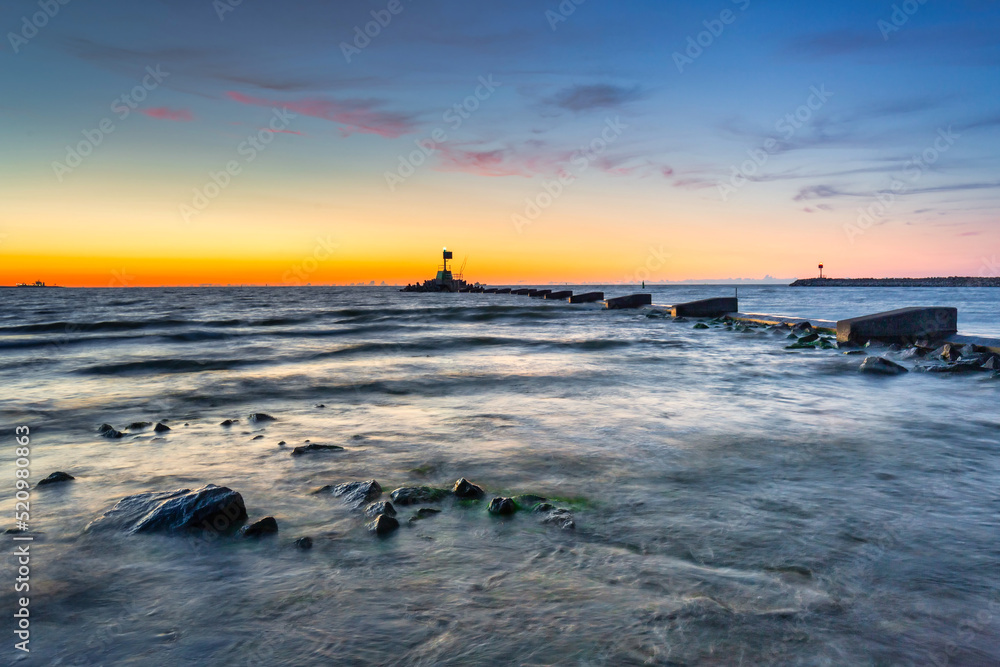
735	502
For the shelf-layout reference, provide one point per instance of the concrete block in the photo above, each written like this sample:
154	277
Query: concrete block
588	297
706	307
564	294
630	301
895	325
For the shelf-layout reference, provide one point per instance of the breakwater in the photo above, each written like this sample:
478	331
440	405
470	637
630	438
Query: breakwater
954	281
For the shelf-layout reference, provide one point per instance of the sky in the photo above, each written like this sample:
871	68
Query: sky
196	141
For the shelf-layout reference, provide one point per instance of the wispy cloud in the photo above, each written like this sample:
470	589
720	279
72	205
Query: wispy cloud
165	113
354	116
598	96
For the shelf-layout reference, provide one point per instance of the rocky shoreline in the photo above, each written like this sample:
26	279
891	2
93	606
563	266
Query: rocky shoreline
954	281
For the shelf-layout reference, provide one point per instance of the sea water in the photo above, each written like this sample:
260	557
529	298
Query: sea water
735	502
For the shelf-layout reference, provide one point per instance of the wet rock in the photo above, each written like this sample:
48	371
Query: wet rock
354	493
229	422
895	347
258	437
161	428
967	366
305	449
266	526
809	338
680	319
855	352
414	495
562	518
304	542
55	478
802	326
378	508
260	417
700	325
466	490
992	363
320	405
502	506
424	513
382	525
109	431
881	366
282	443
544	507
528	500
137	426
948	352
914	353
210	508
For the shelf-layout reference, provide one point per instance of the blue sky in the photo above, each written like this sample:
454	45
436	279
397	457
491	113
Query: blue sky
891	88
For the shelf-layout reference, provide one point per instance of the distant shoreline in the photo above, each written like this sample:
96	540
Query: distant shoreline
954	281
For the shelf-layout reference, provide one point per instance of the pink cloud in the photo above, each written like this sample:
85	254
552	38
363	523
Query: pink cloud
164	113
354	116
496	162
267	129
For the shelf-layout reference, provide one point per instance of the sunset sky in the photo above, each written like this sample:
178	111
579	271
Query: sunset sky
191	141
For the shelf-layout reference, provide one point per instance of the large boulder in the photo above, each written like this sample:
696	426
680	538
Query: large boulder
502	506
466	490
881	366
413	495
55	478
356	494
210	508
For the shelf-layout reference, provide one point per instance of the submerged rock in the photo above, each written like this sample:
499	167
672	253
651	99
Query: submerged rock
383	525
304	449
210	508
413	495
258	437
967	366
378	508
354	493
229	422
502	506
55	478
109	431
161	428
266	526
881	366
809	338
527	500
423	513
700	325
562	518
138	426
258	417
466	490
304	542
856	352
